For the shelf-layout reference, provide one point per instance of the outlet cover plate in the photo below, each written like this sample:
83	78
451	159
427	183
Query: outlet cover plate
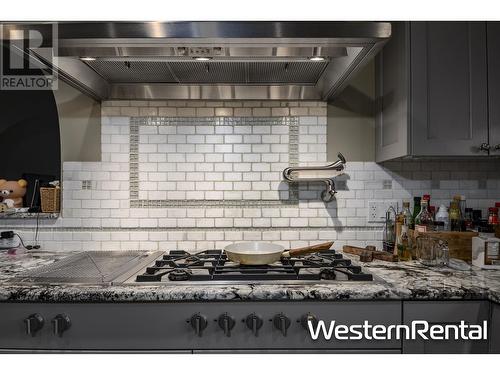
377	210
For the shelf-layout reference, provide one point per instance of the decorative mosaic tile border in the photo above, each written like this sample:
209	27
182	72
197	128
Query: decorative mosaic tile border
336	228
293	157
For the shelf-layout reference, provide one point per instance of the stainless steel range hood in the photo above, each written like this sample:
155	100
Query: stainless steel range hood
216	60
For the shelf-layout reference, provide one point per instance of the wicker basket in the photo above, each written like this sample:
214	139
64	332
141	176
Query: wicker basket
51	198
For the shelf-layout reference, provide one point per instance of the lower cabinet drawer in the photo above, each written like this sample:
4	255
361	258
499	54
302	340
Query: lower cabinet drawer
168	326
445	313
495	329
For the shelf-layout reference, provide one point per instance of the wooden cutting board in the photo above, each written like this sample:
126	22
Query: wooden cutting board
380	255
459	243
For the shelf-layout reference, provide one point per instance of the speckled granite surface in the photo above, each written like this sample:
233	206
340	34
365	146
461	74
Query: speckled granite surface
408	280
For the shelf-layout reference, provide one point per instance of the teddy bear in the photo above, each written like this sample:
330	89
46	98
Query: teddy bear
12	192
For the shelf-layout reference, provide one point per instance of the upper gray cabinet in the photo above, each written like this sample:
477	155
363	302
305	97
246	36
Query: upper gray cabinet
493	34
448	88
392	120
432	90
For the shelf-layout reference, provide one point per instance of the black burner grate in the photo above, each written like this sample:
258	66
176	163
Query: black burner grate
179	265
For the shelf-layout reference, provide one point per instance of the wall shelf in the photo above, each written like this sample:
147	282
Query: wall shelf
29	215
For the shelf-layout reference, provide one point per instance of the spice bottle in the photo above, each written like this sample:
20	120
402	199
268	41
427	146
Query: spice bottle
407	214
404	251
493	215
416	210
497	227
468	219
427	197
442	215
454	216
423	221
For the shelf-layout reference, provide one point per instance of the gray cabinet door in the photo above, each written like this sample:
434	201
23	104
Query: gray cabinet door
391	74
441	313
495	329
448	88
493	33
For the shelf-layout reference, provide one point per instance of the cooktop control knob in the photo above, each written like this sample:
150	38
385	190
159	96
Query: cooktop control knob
281	322
254	322
308	318
198	323
226	322
60	324
33	324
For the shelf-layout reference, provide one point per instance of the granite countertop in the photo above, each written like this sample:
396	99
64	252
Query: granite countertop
396	281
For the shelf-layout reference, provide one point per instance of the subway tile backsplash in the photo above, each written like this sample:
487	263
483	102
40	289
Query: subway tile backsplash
194	175
212	161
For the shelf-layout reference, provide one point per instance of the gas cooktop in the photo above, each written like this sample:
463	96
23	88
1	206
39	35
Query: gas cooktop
213	266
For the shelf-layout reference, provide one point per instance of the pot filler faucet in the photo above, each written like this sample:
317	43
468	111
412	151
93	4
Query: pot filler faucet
292	174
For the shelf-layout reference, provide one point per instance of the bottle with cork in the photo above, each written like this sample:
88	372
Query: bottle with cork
493	218
416	210
402	246
423	221
454	215
497	227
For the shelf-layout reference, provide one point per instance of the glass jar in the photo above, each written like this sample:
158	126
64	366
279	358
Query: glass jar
432	252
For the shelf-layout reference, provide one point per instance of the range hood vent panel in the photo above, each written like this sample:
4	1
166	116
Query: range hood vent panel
134	71
294	72
211	72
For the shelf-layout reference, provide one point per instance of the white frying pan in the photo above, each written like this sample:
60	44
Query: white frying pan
259	253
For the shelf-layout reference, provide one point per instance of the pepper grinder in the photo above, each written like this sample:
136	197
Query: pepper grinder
389	230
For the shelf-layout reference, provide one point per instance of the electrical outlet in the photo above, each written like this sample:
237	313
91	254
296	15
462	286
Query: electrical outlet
377	210
7	240
86	184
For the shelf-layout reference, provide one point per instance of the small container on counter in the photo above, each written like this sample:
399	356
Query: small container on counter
439	226
477	217
442	216
468	219
486	249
